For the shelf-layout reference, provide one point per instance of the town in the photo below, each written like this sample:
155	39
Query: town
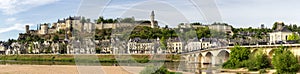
56	38
200	45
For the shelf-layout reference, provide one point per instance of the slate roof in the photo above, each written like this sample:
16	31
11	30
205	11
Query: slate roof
74	18
139	40
174	39
61	21
282	29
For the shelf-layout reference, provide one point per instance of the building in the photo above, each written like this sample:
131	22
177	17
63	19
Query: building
2	49
219	27
105	46
149	23
193	45
205	43
44	29
280	34
142	46
174	45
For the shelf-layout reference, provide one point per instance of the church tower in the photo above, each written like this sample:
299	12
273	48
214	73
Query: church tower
152	20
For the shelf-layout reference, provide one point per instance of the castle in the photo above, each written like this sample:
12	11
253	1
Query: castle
76	22
151	23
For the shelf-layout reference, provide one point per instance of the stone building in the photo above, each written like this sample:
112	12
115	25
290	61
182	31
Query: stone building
151	23
174	46
2	49
193	45
142	46
105	46
280	34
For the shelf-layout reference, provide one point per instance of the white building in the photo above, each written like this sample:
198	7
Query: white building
174	46
280	34
141	46
193	45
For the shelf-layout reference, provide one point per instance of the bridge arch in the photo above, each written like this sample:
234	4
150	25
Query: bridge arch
208	59
254	50
199	60
222	57
271	53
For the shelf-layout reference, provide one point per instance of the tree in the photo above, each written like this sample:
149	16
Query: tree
157	70
100	19
284	61
127	20
238	56
275	25
258	61
196	23
55	38
293	37
163	43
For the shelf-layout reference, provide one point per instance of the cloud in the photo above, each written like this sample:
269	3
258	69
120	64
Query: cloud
10	7
18	26
10	20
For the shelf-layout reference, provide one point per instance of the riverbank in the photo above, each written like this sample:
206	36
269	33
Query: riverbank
99	57
58	69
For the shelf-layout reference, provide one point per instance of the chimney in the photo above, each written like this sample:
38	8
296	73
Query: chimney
280	25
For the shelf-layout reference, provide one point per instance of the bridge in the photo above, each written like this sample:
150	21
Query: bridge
214	57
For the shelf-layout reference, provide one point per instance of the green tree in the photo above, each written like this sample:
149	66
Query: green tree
196	23
284	61
55	38
258	60
293	37
238	56
275	25
163	43
100	19
156	70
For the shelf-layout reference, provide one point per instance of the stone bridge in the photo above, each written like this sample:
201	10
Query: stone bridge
215	57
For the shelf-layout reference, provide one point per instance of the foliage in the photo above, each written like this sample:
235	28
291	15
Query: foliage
55	38
203	32
145	32
238	56
258	60
262	71
275	25
196	23
259	33
284	61
63	48
101	19
103	34
156	70
163	43
293	37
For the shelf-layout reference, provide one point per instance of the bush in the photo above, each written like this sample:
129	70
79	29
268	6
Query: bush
261	71
157	70
238	57
258	61
284	61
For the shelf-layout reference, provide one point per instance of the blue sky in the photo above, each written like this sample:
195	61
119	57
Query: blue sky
240	13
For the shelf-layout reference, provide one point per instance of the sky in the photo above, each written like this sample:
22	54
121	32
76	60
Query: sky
15	14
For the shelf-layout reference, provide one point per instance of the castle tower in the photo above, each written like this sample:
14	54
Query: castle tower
44	29
152	19
27	29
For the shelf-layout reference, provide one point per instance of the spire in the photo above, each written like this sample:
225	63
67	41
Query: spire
152	13
152	19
